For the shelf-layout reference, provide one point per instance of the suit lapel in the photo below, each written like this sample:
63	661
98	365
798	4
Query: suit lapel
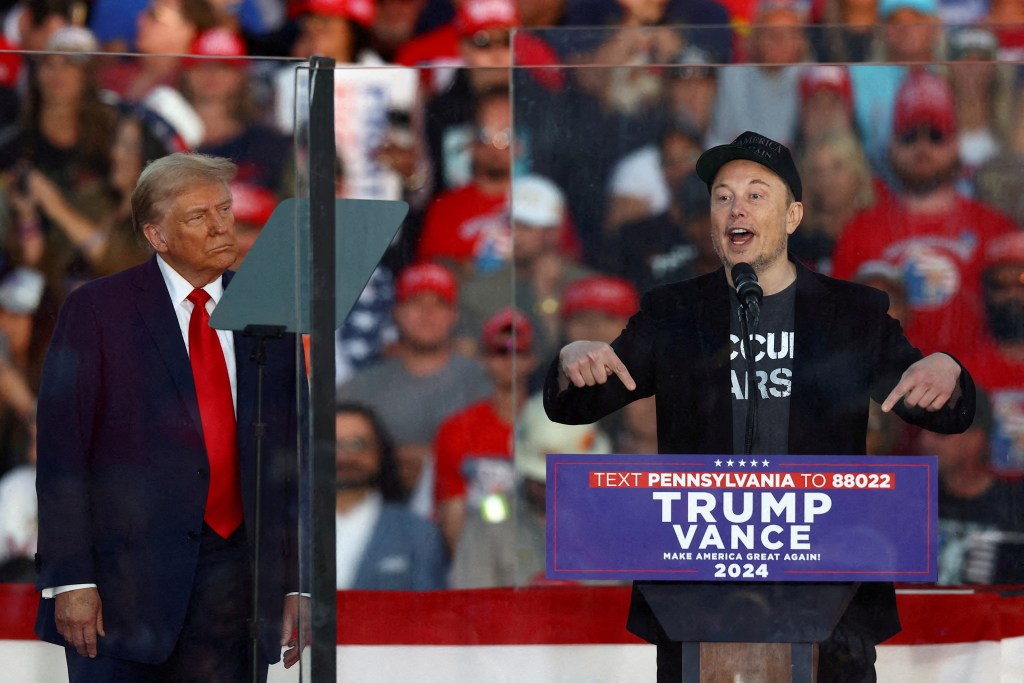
812	322
713	333
156	310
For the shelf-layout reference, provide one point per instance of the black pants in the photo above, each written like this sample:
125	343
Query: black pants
213	645
846	657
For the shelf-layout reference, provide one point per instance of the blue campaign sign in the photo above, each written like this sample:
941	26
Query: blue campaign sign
735	518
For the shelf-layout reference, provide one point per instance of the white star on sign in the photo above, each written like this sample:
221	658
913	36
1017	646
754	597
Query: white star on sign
728	463
718	463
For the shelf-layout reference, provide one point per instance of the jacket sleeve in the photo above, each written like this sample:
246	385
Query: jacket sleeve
65	419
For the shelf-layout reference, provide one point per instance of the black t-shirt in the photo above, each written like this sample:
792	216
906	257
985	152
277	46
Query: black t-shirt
773	343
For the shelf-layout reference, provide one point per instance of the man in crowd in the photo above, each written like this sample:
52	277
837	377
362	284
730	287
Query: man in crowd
423	379
683	347
146	460
474	446
932	234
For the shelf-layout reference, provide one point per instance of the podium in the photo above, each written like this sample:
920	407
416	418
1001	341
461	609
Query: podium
750	631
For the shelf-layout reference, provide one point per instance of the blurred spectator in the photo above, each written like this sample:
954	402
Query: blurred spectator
162	124
849	34
423	380
505	546
481	34
837	184
19	519
479	39
982	90
30	23
1006	19
535	276
887	433
381	544
166	29
67	133
778	41
21	347
999	181
662	249
999	365
377	111
935	236
642	182
981	532
826	102
115	22
473	447
468	227
598	308
911	35
218	88
954	12
394	24
709	20
252	206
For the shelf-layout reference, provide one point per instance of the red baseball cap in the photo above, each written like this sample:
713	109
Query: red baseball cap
605	293
924	99
829	77
426	278
252	203
477	15
218	42
508	321
1005	250
360	11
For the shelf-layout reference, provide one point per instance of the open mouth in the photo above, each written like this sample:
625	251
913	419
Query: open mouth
740	236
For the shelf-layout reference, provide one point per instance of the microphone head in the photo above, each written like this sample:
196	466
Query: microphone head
745	280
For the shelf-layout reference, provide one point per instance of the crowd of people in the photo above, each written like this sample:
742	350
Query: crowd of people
545	199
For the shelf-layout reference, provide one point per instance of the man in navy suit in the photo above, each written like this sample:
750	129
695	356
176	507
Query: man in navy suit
824	349
145	533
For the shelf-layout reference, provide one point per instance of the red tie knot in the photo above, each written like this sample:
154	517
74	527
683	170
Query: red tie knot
199	297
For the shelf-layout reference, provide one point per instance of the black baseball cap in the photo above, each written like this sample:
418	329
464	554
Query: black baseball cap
752	147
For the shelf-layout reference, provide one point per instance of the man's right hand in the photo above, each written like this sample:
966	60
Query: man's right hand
586	363
79	615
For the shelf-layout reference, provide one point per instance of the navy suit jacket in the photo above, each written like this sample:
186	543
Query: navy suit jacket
847	351
123	474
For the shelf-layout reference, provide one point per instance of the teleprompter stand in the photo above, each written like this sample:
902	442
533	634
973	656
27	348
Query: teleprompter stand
277	290
748	631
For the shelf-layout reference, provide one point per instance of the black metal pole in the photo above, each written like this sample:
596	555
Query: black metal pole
258	356
322	164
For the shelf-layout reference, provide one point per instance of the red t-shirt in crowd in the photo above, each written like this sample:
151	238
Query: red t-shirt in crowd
1003	378
940	257
465	225
473	454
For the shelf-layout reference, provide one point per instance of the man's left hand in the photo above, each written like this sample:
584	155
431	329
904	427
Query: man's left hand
296	617
931	383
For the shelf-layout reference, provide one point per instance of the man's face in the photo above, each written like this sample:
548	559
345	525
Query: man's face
488	54
910	36
492	143
507	367
647	12
779	39
425	322
357	455
163	29
196	234
693	93
678	158
924	158
327	35
594	326
751	216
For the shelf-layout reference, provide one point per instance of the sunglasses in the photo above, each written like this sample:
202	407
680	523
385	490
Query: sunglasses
486	39
929	134
499	139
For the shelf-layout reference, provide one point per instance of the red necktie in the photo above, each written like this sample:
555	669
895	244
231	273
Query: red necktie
213	390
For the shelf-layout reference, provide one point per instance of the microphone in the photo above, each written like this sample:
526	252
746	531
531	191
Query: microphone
747	289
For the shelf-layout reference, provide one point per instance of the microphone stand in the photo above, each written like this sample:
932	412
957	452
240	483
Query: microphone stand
749	313
259	356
